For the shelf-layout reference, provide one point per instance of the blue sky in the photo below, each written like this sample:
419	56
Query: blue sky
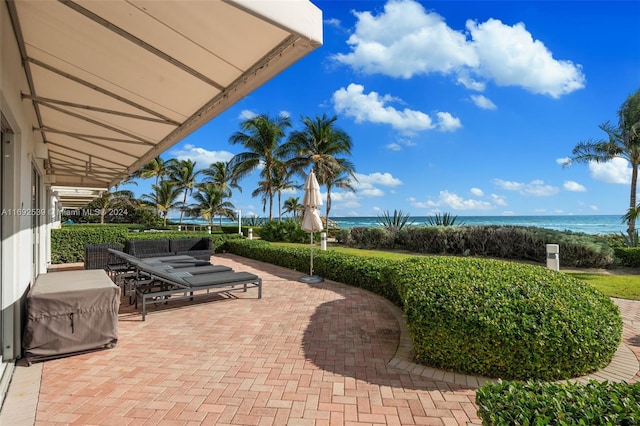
460	107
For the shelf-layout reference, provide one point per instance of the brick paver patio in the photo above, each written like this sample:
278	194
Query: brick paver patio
304	354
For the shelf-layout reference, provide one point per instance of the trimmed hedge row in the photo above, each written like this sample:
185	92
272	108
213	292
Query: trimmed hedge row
357	271
504	319
68	243
628	256
478	316
539	403
504	242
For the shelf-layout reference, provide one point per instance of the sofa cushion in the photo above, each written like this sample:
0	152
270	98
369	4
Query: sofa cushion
148	248
188	244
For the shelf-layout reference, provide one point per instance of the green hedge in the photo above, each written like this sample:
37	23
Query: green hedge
68	243
504	242
539	403
357	271
504	319
477	316
628	256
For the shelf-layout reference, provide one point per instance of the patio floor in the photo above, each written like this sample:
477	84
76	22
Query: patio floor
304	354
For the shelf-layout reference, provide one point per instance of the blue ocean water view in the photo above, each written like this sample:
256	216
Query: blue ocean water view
588	224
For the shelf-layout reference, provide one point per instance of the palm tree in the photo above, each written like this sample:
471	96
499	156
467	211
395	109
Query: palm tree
292	205
622	141
157	168
164	197
221	174
111	200
340	179
321	145
281	181
261	136
210	202
183	174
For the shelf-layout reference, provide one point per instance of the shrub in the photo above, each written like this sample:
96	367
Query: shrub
287	231
369	238
529	403
357	271
504	242
503	319
628	256
68	244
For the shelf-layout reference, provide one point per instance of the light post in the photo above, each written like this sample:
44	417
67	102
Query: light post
239	222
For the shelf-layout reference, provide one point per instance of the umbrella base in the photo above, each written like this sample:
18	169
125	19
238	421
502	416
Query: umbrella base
311	279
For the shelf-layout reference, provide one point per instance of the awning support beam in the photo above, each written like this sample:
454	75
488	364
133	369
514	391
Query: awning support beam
135	40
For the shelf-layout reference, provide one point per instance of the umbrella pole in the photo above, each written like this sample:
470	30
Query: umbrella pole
311	248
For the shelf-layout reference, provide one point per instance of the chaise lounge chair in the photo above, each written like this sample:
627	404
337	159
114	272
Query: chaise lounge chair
155	281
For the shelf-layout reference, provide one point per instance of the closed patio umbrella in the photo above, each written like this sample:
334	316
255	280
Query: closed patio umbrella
311	221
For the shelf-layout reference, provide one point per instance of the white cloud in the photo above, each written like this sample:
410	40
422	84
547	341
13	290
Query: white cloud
510	56
367	184
483	102
377	178
454	201
284	114
203	158
447	122
535	188
393	147
564	161
332	22
508	213
593	207
573	186
246	114
499	200
373	107
616	170
477	192
406	40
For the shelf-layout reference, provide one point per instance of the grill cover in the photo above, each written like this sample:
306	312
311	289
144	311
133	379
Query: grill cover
69	313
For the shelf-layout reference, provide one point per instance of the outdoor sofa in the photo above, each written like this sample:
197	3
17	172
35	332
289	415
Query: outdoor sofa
199	248
160	279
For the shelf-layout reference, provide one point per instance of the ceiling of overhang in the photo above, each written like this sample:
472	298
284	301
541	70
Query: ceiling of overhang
116	83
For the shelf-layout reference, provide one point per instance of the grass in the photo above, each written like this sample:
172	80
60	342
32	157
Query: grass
620	286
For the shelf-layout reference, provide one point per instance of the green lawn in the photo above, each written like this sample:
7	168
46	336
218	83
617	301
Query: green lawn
621	286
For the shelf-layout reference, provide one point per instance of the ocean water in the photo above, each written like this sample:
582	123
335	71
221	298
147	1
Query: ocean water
588	224
591	224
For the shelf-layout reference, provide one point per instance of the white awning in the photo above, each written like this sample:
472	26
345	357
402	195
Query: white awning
116	83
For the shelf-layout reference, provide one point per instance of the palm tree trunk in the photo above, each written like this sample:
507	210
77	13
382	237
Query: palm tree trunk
184	202
279	207
328	204
632	199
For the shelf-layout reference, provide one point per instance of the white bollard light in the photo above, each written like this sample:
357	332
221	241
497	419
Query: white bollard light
179	228
323	241
553	257
208	229
251	233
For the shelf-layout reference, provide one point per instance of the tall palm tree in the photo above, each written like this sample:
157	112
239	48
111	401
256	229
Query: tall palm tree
341	179
321	145
292	205
111	200
221	174
157	168
261	136
165	198
281	181
622	141
183	174
210	201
